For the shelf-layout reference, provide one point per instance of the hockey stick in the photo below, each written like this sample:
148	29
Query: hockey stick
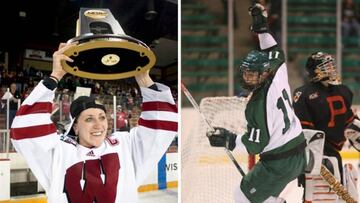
196	106
336	185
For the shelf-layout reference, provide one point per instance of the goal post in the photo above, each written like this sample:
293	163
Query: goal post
208	175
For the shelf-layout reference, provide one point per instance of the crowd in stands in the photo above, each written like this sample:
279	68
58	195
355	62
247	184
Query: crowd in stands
26	79
125	90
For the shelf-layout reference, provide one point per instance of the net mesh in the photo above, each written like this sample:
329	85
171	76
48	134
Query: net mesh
208	175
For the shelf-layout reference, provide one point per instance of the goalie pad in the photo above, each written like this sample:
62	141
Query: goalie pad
315	140
352	132
350	180
316	188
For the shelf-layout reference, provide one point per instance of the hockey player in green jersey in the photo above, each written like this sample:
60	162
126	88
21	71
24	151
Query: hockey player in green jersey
273	130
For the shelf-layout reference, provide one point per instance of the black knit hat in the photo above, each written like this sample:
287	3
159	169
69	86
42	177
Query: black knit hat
82	103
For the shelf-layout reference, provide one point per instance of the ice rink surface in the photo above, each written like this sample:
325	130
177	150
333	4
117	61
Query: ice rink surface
159	196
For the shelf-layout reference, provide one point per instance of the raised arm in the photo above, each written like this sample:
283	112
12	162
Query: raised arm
267	42
33	134
157	126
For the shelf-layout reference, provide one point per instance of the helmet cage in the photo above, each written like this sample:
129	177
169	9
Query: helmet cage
326	70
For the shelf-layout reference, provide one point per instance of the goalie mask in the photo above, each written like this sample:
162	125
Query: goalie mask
321	67
254	70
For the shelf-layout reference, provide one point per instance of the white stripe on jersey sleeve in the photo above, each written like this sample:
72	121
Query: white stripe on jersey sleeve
31	120
159	115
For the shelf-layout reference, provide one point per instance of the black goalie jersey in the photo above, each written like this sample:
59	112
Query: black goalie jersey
325	108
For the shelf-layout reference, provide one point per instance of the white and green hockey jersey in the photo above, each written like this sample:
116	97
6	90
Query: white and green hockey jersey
272	124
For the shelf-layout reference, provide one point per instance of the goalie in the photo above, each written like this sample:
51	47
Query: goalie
273	130
325	104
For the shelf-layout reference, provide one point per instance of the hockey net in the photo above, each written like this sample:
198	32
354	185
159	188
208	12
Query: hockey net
208	175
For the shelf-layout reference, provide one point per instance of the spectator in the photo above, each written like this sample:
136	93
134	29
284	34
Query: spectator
130	101
350	15
13	102
26	92
122	122
65	105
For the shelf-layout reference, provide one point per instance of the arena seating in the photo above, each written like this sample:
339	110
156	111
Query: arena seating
204	51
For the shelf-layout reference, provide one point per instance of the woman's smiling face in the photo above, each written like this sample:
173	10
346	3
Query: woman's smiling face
91	127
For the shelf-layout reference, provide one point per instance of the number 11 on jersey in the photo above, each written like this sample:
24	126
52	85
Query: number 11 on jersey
257	135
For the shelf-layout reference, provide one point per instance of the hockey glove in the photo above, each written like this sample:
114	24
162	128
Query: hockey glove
222	138
259	19
352	132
